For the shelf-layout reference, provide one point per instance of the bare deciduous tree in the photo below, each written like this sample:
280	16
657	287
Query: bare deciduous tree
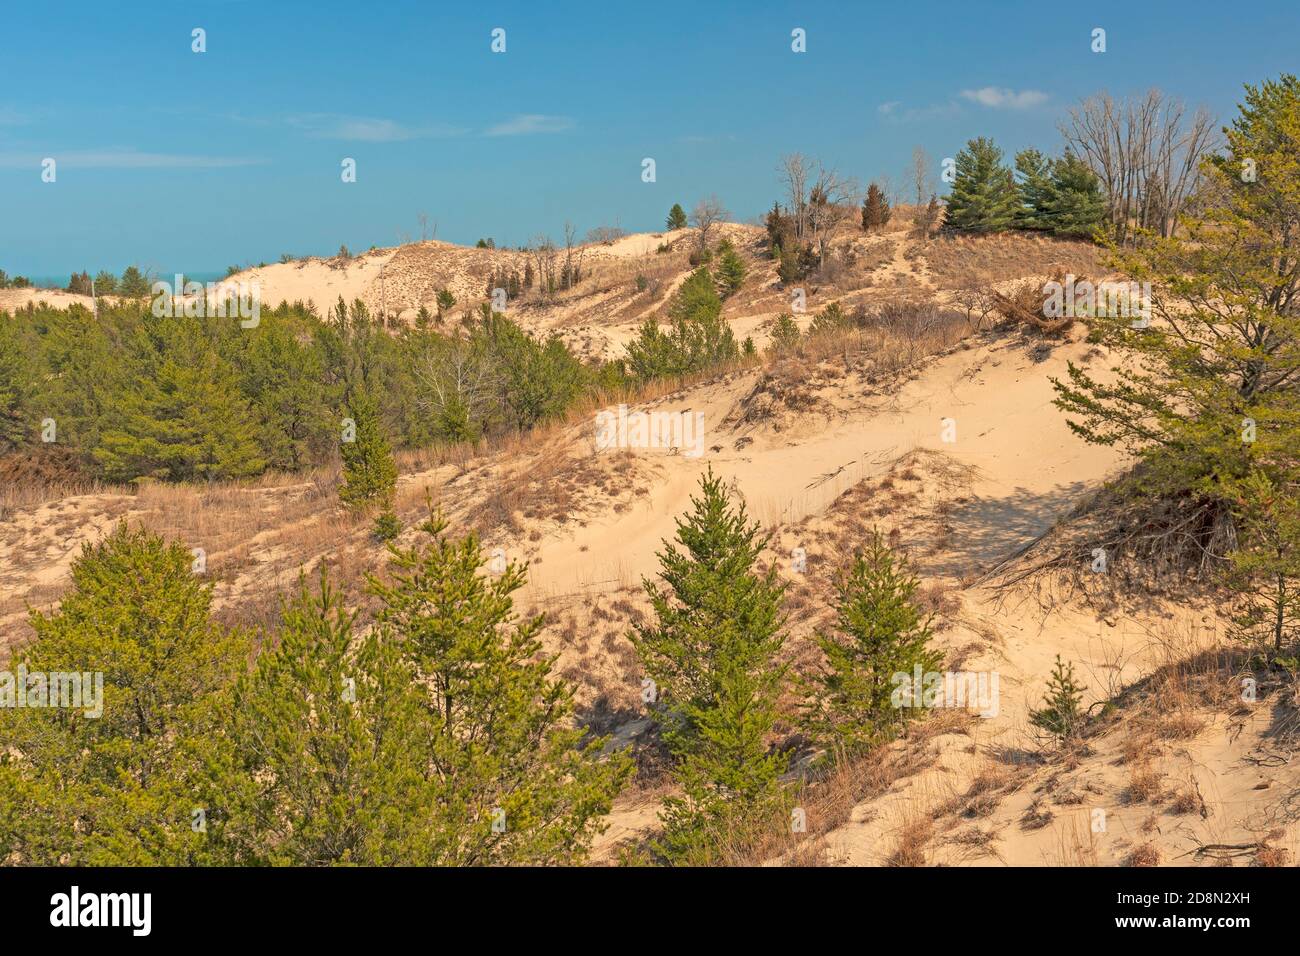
603	234
572	270
832	205
973	297
707	214
921	177
1147	154
542	251
460	383
796	170
820	200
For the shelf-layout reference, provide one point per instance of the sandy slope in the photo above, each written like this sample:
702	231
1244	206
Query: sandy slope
13	299
1031	467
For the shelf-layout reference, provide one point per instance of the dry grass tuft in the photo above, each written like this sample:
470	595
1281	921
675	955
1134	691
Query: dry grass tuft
914	837
1145	855
1144	784
1271	856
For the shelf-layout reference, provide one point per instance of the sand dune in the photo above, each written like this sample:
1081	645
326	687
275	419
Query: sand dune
863	449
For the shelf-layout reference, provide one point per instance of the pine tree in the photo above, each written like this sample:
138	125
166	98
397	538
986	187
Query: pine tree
538	381
444	301
79	283
796	262
785	334
932	214
133	284
1035	190
983	197
1206	395
829	320
700	337
1076	205
780	231
713	653
369	471
1265	568
731	269
15	427
653	354
387	526
1061	712
1062	196
327	750
502	745
697	298
875	209
879	633
180	414
286	376
676	217
116	788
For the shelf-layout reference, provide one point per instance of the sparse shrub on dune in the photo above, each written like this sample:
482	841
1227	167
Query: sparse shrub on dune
698	338
784	335
1061	714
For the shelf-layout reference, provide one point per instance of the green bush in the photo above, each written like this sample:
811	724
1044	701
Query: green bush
1061	713
785	333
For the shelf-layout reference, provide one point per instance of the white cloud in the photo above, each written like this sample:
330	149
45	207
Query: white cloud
1000	98
895	113
365	129
527	123
122	158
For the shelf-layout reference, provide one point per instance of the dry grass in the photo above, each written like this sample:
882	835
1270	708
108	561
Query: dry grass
914	837
1147	854
898	335
1076	843
984	793
1037	816
1186	801
1271	856
828	797
1137	748
17	497
1144	784
954	260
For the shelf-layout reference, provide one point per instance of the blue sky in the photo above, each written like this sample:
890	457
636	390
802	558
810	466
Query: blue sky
177	160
